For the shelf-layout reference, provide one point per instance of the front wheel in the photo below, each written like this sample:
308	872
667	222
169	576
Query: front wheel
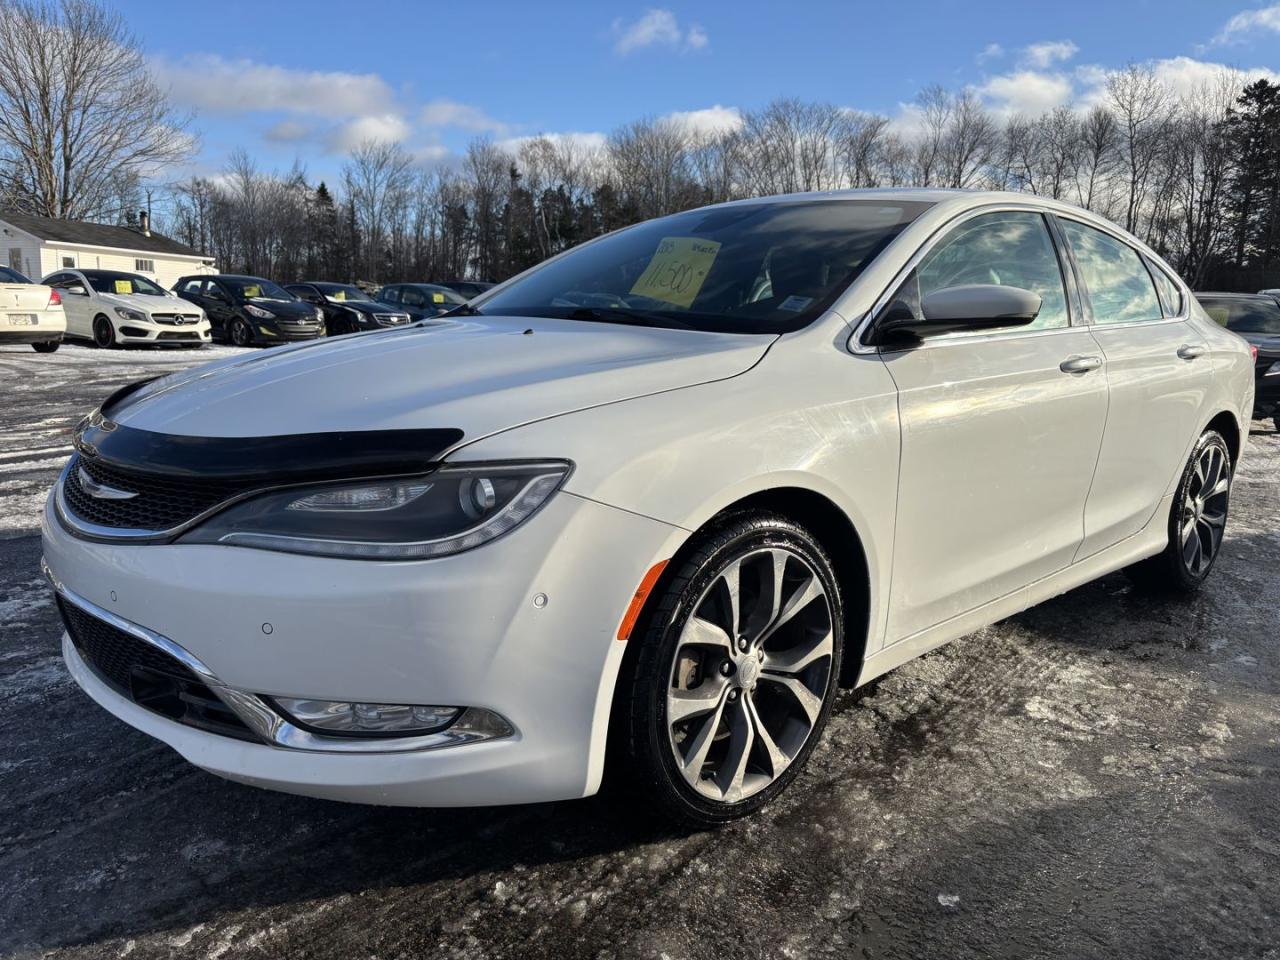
49	346
241	335
1197	521
104	333
736	670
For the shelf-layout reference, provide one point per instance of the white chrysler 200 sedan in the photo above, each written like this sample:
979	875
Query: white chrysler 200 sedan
647	505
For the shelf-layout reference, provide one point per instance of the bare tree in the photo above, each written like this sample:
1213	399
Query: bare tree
376	180
1141	104
78	109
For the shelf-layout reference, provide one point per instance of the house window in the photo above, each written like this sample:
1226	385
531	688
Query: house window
15	258
68	263
144	266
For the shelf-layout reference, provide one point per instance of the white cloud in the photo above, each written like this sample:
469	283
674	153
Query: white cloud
288	131
1026	92
1046	54
1246	22
450	113
657	28
709	120
584	140
992	51
1183	76
381	128
210	82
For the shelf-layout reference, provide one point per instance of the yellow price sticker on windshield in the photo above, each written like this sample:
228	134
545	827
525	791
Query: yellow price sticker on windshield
437	298
677	271
124	286
340	295
251	291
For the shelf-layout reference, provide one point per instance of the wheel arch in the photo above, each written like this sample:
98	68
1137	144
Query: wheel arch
1225	423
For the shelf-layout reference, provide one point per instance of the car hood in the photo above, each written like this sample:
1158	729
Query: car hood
478	374
291	309
148	303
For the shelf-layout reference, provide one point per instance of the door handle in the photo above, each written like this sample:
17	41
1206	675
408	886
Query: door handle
1080	364
1189	351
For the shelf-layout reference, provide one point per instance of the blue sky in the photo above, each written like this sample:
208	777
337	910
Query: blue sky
288	80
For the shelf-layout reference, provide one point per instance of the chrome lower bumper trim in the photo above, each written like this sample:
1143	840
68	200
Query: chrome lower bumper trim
472	726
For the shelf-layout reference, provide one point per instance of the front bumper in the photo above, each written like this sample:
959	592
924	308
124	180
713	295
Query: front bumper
134	331
462	630
284	331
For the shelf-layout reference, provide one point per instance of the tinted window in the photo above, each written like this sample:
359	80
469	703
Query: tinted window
1244	315
111	281
251	288
1170	295
412	297
763	267
1119	286
1011	249
389	294
192	286
12	276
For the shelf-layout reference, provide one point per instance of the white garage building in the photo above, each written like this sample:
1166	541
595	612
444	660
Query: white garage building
37	246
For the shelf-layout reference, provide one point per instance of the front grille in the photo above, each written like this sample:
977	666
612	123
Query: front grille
147	675
162	502
391	319
175	319
175	335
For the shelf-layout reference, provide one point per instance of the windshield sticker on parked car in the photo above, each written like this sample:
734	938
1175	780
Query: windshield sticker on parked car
124	286
795	304
252	291
339	296
437	298
677	271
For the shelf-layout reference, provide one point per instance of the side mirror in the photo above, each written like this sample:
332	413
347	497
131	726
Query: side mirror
76	289
979	306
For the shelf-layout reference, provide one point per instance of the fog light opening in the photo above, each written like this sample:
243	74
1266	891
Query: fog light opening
344	718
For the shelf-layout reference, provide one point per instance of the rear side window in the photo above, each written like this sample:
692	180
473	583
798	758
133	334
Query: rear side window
1115	276
1012	249
1170	295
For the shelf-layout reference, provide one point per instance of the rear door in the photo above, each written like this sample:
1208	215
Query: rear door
1158	372
1000	429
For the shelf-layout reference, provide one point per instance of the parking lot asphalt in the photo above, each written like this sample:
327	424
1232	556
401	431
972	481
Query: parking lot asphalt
1096	777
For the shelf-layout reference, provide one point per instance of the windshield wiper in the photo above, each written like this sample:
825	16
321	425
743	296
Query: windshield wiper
626	315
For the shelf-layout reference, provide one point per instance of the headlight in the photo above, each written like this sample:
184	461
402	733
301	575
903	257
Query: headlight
319	314
1273	370
451	510
253	311
137	316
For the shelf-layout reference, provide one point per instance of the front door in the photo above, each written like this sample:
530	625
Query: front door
1000	431
1158	371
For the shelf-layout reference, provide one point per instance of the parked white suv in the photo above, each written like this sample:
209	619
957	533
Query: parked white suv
113	308
659	496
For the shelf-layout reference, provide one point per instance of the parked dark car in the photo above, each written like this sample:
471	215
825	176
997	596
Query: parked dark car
1256	317
470	289
1273	293
251	310
347	308
421	301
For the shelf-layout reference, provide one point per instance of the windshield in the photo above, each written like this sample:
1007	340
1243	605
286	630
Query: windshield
341	292
1244	316
11	276
108	281
747	268
251	288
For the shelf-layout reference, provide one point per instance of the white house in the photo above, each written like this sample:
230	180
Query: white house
37	246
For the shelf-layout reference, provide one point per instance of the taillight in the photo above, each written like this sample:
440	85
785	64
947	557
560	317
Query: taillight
55	300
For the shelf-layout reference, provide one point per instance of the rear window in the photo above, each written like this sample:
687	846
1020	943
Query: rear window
1244	316
12	276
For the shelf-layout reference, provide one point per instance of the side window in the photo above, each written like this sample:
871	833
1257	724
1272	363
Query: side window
1170	295
1012	249
389	294
413	297
193	286
1119	286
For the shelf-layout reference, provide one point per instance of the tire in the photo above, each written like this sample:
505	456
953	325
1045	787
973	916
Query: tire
1196	522
743	691
104	333
239	333
49	346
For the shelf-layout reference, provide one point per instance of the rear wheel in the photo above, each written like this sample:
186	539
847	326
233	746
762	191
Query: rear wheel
104	333
241	335
1197	521
736	671
47	347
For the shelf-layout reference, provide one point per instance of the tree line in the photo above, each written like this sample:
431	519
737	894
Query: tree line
85	133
